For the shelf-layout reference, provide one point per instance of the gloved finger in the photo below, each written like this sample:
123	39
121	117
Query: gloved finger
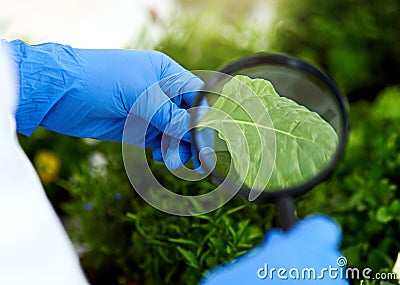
172	121
184	153
174	153
155	107
272	236
138	131
157	154
153	136
196	161
182	88
177	83
205	158
320	229
204	140
181	121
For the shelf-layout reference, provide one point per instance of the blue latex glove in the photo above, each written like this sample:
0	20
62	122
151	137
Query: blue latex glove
310	243
89	94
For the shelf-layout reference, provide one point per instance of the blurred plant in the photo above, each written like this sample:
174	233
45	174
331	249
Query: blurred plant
386	106
203	46
47	165
356	41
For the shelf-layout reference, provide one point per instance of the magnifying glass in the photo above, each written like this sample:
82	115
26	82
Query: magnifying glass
270	127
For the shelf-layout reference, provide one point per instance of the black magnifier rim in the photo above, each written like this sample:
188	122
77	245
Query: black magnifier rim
293	63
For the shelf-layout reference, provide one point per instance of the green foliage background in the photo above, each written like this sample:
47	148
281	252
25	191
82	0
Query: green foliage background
123	240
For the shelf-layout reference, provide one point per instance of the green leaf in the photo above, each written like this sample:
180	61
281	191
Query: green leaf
164	255
269	134
189	256
183	241
383	215
205	239
231	211
387	103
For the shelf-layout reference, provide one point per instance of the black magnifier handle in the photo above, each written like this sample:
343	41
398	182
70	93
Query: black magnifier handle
286	209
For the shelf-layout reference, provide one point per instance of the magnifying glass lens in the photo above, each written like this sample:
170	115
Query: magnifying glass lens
274	124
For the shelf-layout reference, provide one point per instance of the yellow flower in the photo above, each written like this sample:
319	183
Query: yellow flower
47	165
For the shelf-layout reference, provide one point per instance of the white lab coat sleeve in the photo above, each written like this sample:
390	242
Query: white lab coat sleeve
34	247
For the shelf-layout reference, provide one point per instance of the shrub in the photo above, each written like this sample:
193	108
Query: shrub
356	41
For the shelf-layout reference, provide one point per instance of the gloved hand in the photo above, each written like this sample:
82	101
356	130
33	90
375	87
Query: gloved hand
304	251
89	93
